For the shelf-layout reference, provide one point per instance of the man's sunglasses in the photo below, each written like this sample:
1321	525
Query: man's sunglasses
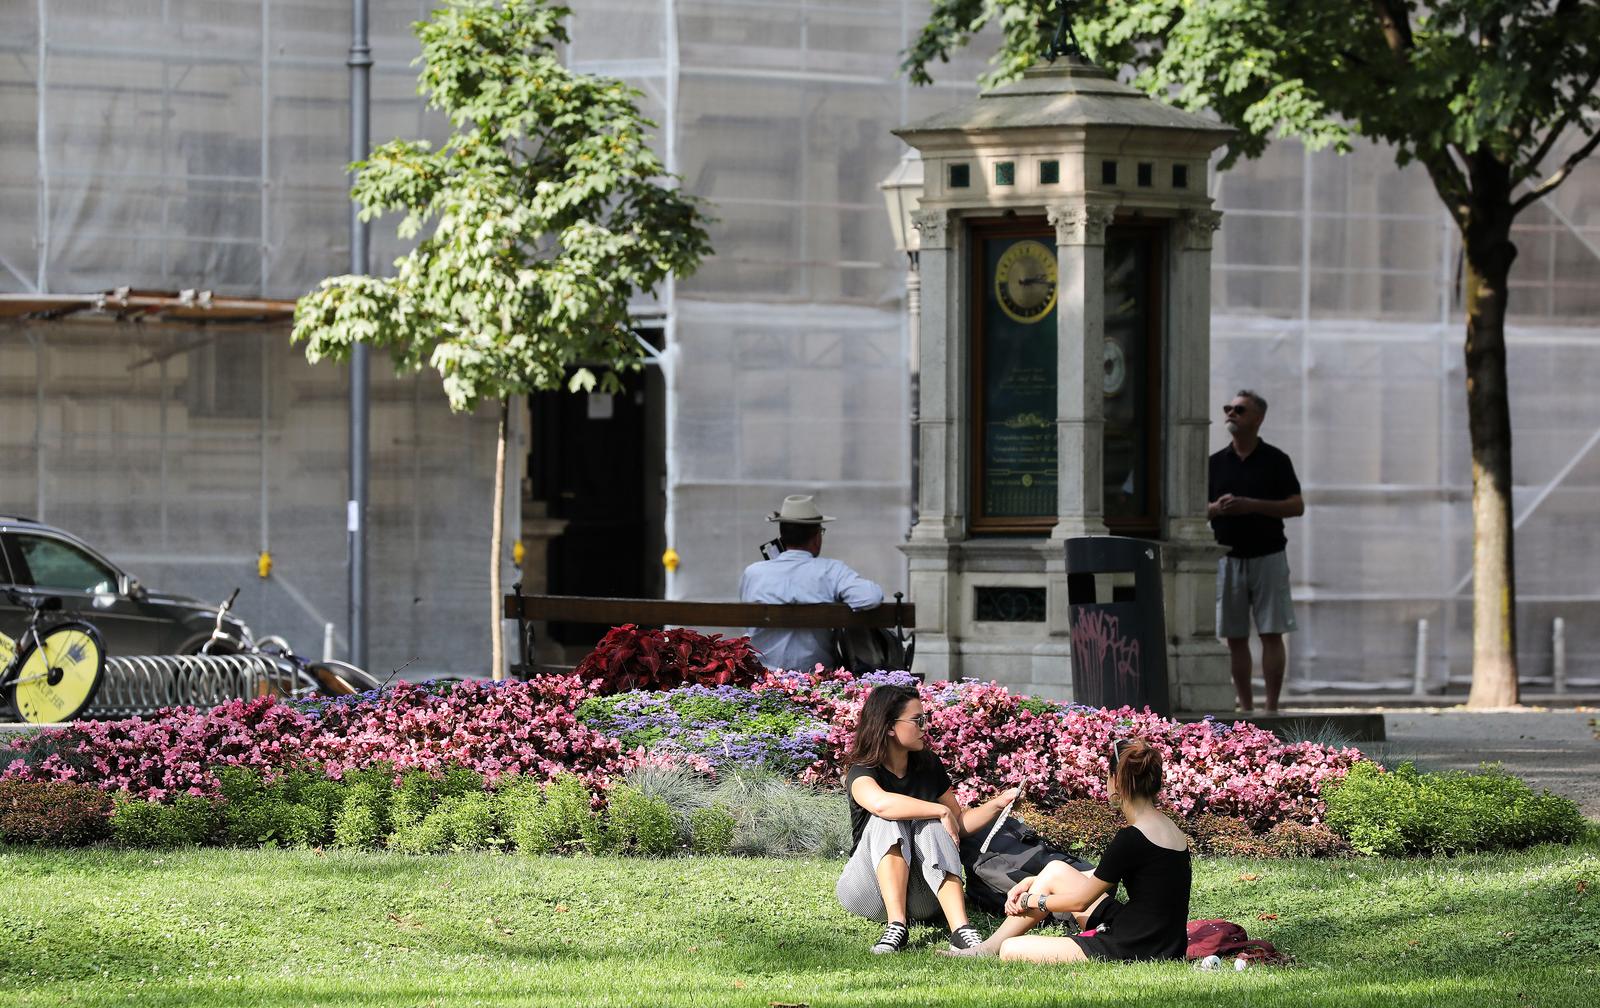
1229	409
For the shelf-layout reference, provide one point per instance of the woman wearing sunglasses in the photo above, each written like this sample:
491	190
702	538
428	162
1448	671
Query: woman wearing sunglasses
1149	857
907	824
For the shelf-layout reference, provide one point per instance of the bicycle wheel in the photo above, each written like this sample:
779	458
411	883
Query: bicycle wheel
59	677
337	678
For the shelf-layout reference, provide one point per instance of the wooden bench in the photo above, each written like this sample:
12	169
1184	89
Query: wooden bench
529	609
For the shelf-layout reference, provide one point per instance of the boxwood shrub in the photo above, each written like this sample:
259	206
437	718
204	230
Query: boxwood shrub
1406	811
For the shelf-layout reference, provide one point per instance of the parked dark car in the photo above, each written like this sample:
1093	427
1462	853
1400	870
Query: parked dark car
39	559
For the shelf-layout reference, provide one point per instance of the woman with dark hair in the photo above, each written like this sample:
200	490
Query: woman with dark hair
907	824
1149	857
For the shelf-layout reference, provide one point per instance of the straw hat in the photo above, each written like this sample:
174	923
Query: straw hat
800	509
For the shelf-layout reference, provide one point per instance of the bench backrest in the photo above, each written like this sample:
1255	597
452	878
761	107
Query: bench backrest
673	612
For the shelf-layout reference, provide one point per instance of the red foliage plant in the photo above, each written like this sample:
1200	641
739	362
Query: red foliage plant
59	812
631	658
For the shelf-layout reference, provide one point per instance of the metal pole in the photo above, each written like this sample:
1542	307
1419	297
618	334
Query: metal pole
360	63
914	360
1558	655
1419	677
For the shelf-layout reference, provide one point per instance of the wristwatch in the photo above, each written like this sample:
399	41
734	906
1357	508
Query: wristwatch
1040	904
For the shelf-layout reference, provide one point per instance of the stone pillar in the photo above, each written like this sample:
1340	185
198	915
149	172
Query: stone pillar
1197	662
1188	373
1080	365
933	575
942	370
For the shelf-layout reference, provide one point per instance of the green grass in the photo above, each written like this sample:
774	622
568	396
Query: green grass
198	927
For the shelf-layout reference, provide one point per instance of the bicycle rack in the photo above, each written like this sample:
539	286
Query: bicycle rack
143	684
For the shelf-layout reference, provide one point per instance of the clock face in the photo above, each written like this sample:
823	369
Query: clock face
1116	367
1025	281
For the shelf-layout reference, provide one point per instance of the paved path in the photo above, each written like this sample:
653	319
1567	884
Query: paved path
1555	749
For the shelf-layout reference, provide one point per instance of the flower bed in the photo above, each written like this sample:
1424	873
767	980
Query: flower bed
490	728
989	737
725	726
796	723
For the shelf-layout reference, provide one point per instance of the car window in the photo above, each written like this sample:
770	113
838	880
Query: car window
56	564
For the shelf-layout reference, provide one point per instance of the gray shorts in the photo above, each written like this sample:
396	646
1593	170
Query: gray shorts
1254	586
924	843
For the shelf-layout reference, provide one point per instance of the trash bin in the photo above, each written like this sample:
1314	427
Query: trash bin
1117	622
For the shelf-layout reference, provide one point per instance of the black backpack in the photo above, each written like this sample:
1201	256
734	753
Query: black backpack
864	650
1015	852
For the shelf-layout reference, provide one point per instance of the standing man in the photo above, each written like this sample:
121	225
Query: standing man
1252	489
799	574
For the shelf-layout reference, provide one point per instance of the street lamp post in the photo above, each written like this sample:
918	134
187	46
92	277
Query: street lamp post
902	191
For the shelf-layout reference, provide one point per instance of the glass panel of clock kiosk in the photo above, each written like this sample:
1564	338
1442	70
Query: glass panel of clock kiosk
1129	411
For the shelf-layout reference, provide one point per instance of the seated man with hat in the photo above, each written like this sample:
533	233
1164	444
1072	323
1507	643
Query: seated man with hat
798	574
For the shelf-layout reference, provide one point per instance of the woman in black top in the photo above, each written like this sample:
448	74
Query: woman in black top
905	864
1149	857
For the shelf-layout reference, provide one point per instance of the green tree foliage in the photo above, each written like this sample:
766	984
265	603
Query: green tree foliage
544	214
1495	98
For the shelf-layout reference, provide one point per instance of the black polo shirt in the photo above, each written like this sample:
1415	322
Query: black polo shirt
1265	474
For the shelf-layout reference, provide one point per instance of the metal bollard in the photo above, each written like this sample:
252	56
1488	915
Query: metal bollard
1558	655
327	642
1419	675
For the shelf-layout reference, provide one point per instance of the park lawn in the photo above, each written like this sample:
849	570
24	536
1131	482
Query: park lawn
205	927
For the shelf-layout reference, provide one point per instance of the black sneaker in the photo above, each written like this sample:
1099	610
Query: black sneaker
965	938
894	938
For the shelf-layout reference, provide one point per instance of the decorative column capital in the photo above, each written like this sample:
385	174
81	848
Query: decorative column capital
1081	223
1198	225
933	225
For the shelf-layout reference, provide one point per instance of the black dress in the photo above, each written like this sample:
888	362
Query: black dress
1153	923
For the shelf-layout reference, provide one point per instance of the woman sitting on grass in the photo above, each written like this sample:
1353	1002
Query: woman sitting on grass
906	864
1150	857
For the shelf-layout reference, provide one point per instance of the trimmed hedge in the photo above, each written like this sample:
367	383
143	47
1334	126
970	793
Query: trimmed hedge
59	813
1405	811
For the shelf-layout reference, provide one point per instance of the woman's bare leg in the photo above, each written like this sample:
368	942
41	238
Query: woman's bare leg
1009	928
1041	949
894	877
953	901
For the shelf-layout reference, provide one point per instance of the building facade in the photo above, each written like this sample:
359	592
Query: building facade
169	146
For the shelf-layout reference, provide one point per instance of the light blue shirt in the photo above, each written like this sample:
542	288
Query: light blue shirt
797	576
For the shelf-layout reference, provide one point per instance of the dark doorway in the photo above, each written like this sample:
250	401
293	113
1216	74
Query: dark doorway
599	463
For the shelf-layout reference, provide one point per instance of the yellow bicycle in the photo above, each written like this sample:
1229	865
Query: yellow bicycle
51	674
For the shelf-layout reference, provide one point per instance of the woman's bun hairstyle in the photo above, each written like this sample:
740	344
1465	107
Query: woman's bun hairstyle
1136	768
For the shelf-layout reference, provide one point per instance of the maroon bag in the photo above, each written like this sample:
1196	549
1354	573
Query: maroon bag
1227	940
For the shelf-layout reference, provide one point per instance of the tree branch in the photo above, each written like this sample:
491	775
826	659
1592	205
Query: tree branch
1560	176
1396	22
1573	112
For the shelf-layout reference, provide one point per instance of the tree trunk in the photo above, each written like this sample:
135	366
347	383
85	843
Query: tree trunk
1489	254
497	648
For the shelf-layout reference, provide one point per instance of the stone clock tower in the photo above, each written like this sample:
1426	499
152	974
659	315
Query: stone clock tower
1065	368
